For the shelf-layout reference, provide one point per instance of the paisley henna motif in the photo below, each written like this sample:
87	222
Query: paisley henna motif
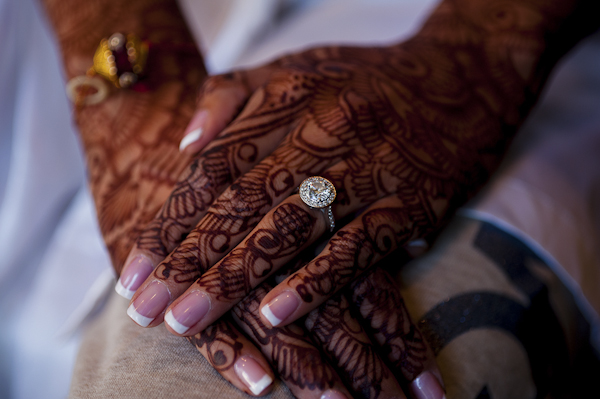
407	133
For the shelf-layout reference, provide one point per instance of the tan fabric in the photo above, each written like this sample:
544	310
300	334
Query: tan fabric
119	359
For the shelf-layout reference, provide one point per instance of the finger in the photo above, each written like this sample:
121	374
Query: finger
237	149
263	124
384	312
221	98
232	216
298	363
235	357
349	348
276	240
286	230
387	224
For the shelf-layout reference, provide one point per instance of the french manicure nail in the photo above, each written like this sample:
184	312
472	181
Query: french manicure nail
333	394
426	386
189	311
250	372
134	274
149	304
194	130
280	308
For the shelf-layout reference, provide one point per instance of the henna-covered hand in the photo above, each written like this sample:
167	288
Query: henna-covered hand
133	161
406	133
131	139
365	334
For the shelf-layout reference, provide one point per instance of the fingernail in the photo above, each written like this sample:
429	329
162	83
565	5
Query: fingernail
189	311
194	130
418	243
134	274
149	304
426	386
250	372
332	394
280	308
416	248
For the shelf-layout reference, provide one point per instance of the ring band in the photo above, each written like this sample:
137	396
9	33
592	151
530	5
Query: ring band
319	193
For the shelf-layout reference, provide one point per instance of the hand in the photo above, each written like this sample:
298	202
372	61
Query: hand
306	373
131	147
371	345
406	133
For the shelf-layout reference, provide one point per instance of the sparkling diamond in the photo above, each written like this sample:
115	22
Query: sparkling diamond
317	192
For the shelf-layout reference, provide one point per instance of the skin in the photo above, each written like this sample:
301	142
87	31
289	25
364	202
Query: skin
131	145
407	133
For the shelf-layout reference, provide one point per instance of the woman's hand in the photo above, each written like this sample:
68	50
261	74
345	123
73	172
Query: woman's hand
406	133
361	341
131	143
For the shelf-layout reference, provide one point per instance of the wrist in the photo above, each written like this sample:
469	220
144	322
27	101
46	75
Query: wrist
524	36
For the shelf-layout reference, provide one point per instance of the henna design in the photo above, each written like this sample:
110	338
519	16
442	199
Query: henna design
292	228
424	122
219	344
353	250
347	346
381	305
230	279
229	156
131	146
298	363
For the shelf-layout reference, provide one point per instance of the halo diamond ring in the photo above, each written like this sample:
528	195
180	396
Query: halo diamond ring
319	193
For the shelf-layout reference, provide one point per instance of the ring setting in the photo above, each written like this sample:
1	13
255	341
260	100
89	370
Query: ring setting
319	193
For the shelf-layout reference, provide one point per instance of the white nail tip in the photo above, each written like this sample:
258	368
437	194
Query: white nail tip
270	316
138	318
189	138
260	385
174	324
124	292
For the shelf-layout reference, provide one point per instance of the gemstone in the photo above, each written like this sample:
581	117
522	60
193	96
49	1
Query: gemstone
317	192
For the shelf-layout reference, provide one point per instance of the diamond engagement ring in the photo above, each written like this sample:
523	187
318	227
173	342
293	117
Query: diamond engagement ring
318	192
